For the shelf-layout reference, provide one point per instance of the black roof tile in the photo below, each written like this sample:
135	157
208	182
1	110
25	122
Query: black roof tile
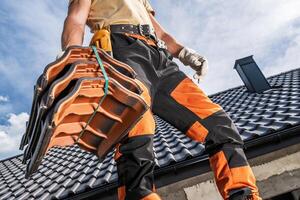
68	171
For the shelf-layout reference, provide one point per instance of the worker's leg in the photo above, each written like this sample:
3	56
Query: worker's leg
135	159
136	163
182	103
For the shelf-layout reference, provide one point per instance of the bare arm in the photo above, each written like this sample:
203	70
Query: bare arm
73	31
173	46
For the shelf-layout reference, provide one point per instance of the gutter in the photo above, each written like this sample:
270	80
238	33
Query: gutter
276	137
292	135
266	144
107	192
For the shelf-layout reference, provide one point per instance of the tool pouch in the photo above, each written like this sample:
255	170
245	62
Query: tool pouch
102	40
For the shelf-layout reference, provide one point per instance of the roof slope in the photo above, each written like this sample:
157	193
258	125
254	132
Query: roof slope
259	114
69	171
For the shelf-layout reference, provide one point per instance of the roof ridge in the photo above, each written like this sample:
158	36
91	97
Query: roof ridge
240	86
289	71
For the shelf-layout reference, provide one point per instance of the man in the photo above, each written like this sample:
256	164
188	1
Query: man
170	93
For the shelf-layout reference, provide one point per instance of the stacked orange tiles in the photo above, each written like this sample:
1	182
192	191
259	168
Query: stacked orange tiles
67	94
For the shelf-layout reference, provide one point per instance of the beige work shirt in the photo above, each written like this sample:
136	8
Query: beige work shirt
106	12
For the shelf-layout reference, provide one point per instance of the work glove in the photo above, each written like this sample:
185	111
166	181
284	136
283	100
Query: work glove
197	62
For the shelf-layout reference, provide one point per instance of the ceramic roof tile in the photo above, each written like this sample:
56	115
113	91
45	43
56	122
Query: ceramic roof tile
68	171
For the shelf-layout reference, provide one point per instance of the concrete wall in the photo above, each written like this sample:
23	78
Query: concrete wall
276	173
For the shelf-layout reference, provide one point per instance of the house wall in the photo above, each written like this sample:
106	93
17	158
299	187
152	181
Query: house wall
276	173
176	191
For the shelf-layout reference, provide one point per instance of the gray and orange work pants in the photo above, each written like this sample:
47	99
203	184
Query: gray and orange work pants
178	100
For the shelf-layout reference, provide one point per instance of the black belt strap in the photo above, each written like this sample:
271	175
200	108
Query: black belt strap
144	30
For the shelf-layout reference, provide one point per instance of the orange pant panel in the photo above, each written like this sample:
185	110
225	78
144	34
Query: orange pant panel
152	196
140	37
121	193
187	93
146	125
117	153
145	94
231	178
197	132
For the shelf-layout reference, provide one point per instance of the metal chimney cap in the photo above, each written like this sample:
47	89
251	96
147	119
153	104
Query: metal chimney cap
243	61
251	75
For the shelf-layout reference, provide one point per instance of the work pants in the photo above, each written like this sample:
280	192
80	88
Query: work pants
175	98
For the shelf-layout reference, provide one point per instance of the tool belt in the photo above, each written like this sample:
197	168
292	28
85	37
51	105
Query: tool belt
142	32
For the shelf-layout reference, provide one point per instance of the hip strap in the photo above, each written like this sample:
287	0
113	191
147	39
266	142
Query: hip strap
143	30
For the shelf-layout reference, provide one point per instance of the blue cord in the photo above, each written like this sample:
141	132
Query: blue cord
105	91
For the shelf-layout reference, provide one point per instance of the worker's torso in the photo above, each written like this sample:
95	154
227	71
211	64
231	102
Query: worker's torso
106	12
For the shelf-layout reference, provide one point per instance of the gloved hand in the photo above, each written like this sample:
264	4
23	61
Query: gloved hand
197	62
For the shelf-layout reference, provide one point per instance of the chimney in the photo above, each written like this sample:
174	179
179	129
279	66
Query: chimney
251	75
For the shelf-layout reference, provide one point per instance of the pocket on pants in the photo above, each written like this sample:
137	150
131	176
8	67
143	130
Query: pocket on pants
123	42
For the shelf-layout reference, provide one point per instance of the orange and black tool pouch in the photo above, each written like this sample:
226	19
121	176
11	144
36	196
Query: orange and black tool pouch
102	40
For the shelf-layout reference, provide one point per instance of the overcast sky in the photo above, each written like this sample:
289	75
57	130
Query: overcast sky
221	30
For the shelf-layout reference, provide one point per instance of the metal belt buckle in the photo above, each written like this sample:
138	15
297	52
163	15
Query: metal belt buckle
141	30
